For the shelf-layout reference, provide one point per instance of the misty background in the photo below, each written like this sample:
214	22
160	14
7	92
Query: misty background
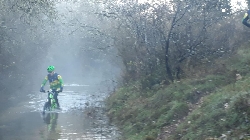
37	34
104	44
66	34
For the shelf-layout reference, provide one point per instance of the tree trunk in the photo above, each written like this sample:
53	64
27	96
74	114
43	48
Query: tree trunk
168	68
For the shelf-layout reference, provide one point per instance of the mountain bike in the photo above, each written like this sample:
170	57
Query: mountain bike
50	104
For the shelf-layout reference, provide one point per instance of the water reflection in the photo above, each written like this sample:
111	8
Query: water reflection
52	129
82	116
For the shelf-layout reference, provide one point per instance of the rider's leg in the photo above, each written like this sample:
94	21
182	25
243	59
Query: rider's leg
48	99
55	97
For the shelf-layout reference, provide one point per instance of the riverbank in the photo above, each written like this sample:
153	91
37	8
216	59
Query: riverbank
210	106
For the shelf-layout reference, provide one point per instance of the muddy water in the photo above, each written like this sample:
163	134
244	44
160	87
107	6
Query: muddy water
81	117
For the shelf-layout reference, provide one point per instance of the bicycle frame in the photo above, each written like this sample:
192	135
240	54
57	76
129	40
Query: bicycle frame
50	105
52	101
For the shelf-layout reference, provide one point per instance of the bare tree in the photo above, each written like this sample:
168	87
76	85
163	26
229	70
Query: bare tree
23	40
177	28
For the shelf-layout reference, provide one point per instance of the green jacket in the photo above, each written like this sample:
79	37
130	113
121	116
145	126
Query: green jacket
55	81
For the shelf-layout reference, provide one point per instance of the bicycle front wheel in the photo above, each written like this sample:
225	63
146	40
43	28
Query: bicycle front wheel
46	107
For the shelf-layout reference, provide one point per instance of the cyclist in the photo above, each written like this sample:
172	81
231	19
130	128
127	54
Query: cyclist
55	81
246	18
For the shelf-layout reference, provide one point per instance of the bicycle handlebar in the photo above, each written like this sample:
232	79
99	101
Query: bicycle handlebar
47	91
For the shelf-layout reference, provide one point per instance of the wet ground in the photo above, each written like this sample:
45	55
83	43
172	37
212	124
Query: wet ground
81	117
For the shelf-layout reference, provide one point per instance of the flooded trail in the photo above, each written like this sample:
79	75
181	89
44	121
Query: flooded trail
81	117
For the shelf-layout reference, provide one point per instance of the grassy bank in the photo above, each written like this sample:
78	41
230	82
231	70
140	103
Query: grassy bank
210	106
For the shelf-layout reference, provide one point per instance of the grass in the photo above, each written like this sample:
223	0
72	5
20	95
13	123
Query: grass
141	117
225	106
214	119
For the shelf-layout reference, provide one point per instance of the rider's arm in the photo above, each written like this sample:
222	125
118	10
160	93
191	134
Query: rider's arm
244	20
44	81
60	80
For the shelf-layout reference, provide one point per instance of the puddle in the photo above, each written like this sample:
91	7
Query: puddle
81	117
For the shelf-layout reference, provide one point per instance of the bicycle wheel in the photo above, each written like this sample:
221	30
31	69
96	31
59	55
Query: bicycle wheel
46	107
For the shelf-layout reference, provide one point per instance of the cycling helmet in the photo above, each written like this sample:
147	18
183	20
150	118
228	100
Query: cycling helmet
50	69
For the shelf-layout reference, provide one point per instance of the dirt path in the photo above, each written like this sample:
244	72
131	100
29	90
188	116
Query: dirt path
167	131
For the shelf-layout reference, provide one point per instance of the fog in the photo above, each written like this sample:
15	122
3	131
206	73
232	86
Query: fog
98	45
67	35
76	58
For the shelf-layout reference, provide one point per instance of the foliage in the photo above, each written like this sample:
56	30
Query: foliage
202	107
158	38
139	112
